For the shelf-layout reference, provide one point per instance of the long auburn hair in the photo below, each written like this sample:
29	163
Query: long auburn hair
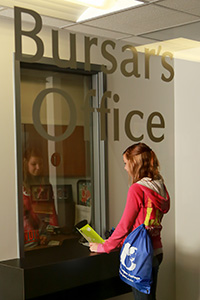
26	176
142	162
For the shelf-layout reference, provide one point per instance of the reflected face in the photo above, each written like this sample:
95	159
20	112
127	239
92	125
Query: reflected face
35	166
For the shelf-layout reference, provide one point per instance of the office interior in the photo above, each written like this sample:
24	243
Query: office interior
143	62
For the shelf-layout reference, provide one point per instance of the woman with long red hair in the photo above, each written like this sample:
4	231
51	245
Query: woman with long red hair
38	200
147	202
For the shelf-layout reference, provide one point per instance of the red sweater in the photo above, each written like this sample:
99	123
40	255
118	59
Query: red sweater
134	215
32	220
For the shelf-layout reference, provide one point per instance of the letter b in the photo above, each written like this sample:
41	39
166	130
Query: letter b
32	34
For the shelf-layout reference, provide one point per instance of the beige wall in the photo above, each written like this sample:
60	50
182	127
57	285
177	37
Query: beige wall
187	166
146	96
135	93
8	201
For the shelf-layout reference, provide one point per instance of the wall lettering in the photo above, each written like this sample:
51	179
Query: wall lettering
103	111
128	67
107	50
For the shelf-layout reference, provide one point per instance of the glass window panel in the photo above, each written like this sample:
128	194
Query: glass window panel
58	161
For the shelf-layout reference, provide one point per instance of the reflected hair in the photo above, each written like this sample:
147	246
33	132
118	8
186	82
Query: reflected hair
142	162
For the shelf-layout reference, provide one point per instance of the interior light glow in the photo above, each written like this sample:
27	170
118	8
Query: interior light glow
101	4
174	45
181	48
92	12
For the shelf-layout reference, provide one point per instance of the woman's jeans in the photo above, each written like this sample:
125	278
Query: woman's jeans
152	296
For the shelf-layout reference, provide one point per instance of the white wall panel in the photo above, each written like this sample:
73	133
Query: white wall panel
187	166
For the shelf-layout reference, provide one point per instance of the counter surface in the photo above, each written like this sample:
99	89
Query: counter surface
67	268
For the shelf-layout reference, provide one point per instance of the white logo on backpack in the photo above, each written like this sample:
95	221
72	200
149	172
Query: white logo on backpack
128	251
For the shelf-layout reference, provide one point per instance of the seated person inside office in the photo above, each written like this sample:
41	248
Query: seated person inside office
38	200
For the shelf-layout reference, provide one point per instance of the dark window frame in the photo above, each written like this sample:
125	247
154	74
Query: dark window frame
48	64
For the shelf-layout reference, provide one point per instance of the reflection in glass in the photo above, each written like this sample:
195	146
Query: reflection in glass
38	200
54	172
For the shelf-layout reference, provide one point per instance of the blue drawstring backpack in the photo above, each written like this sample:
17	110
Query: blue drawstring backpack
136	260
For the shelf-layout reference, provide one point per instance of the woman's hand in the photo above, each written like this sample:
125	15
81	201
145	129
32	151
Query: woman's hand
93	247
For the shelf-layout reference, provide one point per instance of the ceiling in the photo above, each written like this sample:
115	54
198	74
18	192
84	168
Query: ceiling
151	22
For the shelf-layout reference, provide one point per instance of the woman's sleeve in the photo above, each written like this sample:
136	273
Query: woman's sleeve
126	223
29	215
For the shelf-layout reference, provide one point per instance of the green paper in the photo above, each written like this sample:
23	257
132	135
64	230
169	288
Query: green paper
90	234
